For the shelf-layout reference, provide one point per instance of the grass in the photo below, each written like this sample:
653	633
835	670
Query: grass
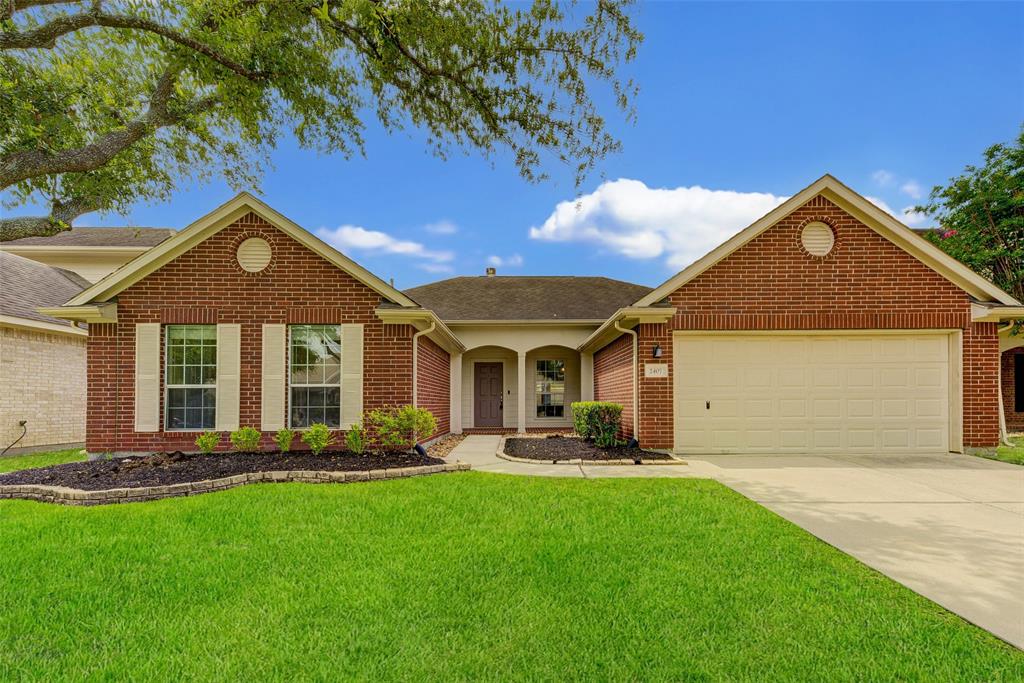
1014	455
24	462
457	577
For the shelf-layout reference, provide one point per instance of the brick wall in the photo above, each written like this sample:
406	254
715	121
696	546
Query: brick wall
1014	420
433	383
613	367
206	285
865	282
42	380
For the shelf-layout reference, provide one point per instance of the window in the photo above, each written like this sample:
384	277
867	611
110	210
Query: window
550	388
314	375
190	377
1018	383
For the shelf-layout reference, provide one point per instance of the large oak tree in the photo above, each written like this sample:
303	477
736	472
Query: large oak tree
104	103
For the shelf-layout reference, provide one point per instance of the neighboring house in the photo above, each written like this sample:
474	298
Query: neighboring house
42	358
93	253
825	326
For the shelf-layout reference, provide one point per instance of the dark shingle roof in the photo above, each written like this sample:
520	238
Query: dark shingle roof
99	237
26	285
526	297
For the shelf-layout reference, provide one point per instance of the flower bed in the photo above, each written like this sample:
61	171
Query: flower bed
570	449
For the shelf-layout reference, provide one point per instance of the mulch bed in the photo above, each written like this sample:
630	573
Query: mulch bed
445	445
163	469
556	448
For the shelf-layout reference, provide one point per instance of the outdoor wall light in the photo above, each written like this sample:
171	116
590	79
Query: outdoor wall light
657	351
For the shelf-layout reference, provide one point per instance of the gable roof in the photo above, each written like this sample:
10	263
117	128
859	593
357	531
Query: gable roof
863	210
526	297
211	224
143	238
26	285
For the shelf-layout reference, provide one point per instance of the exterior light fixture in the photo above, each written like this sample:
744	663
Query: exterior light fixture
657	351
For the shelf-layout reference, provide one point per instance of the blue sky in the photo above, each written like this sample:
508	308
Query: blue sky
740	106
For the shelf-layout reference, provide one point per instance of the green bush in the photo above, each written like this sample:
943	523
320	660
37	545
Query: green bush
597	421
207	441
398	428
284	438
246	439
355	439
317	437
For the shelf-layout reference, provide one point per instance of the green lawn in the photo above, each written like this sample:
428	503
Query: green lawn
24	462
1013	455
457	577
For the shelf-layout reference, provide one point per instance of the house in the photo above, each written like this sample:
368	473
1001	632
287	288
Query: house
826	325
42	358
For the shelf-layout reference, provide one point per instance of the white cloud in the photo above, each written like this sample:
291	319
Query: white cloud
436	267
680	224
907	216
347	237
513	261
442	227
912	189
883	177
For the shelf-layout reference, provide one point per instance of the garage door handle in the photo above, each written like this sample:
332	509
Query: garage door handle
707	405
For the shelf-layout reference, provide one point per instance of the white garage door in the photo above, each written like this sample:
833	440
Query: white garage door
867	393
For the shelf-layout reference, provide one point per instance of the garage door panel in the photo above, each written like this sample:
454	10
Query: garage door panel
790	393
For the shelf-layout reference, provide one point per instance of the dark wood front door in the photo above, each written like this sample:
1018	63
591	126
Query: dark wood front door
487	398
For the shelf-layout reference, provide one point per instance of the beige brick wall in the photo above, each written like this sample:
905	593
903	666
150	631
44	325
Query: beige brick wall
42	380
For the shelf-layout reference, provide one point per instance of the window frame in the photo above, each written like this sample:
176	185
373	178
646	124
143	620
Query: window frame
540	375
1018	382
288	373
166	331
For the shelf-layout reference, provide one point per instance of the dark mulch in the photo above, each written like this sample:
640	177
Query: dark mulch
163	469
555	448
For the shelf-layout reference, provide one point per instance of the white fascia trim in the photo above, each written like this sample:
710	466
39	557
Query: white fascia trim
65	249
980	313
872	216
422	319
96	313
526	322
629	317
41	326
214	222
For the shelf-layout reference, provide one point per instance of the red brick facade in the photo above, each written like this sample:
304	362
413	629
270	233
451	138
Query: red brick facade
1014	419
865	282
206	285
613	368
433	383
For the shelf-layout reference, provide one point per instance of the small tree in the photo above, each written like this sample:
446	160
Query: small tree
398	428
317	437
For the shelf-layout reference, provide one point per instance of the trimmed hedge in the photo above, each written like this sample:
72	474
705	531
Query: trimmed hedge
597	421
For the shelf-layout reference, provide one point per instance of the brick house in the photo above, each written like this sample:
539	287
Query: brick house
826	325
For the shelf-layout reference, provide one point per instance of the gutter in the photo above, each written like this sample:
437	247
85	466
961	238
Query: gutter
636	379
1004	436
415	361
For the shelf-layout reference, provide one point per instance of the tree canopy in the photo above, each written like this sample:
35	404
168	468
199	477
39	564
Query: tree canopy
105	102
981	216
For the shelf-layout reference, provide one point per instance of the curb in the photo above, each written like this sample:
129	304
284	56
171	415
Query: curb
579	461
68	496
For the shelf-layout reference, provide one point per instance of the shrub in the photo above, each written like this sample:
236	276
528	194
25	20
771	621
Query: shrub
355	439
597	421
246	439
399	428
317	437
207	441
284	438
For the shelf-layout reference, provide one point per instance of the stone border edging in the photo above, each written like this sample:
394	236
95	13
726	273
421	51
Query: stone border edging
68	496
578	461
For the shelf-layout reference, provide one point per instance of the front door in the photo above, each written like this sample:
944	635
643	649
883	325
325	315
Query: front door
487	398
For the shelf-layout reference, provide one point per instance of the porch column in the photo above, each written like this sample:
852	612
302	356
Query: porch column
521	380
455	394
586	377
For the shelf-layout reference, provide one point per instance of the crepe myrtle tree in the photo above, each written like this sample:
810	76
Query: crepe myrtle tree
981	214
106	102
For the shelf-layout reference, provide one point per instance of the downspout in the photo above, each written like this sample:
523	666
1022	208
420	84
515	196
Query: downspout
636	381
415	360
1004	437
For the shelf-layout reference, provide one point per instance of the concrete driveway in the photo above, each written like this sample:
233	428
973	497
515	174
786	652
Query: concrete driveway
950	527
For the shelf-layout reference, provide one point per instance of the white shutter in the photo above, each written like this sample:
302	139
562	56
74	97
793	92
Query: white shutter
351	375
229	370
147	377
272	391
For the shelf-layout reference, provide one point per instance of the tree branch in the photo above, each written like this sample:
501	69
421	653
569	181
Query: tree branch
46	36
32	163
59	220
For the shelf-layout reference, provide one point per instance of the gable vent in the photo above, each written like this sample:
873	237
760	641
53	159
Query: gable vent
253	254
817	238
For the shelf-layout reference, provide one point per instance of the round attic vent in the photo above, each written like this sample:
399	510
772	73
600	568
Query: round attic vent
817	238
253	254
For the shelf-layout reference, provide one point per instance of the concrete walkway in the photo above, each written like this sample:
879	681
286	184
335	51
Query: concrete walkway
950	527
